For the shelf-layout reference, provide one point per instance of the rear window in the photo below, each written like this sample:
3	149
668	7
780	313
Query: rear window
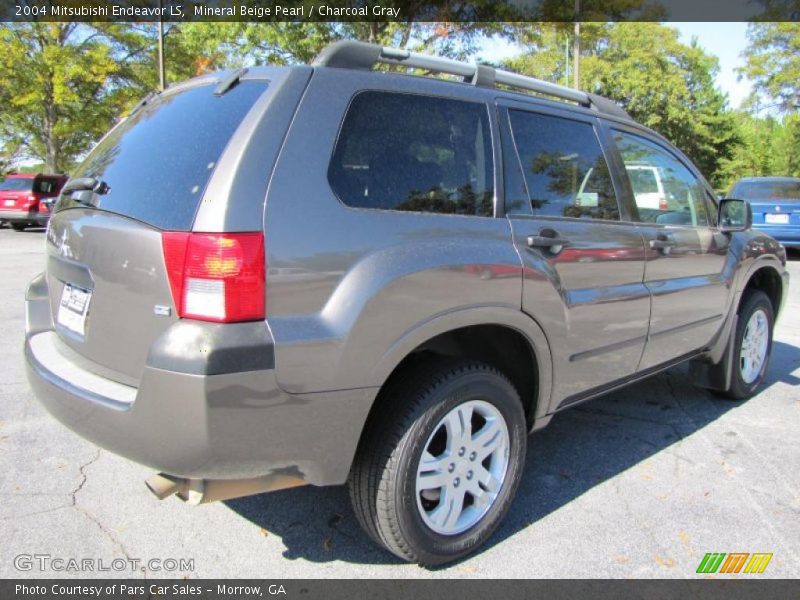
767	190
158	162
16	184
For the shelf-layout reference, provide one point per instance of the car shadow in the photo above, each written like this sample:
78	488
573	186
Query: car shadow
580	449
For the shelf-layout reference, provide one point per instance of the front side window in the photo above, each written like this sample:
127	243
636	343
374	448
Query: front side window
664	190
414	153
564	167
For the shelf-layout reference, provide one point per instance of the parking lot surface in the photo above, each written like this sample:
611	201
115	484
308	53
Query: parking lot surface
640	483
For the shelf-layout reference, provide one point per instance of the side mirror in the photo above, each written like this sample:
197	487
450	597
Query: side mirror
734	215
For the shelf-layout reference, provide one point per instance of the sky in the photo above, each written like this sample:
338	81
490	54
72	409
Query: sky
724	40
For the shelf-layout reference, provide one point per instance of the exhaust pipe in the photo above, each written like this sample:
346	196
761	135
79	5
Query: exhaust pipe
163	486
203	491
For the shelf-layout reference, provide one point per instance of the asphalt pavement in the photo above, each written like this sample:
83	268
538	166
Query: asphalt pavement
640	483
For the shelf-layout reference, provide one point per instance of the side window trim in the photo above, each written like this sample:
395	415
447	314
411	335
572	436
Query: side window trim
513	161
677	156
505	105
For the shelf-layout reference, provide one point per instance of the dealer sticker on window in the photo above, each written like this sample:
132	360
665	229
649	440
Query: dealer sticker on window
73	308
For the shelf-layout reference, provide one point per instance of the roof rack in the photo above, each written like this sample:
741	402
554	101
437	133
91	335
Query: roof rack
351	54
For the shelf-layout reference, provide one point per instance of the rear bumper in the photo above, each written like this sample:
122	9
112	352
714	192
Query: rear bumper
191	420
788	236
22	216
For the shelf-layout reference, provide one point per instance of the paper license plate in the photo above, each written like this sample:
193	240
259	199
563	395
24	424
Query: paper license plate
73	308
9	202
773	218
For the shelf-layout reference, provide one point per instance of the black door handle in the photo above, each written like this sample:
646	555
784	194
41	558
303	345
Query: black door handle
544	241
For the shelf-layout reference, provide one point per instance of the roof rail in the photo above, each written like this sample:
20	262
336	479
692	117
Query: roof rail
351	54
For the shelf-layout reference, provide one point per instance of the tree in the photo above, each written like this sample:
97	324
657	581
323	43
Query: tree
661	82
769	146
773	64
62	85
195	48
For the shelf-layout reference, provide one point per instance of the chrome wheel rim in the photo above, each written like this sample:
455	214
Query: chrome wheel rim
463	467
755	343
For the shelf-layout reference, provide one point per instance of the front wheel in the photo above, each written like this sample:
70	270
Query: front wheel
438	468
752	346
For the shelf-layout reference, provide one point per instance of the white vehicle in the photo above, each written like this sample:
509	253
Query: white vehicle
648	188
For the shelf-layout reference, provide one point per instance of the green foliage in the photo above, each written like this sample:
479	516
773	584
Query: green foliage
61	87
768	147
773	64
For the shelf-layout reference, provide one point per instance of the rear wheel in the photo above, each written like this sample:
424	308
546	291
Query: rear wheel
19	226
752	346
438	468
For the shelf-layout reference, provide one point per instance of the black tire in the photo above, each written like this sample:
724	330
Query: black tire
19	226
740	389
383	478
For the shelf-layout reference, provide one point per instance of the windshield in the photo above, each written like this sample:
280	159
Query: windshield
767	190
16	184
157	163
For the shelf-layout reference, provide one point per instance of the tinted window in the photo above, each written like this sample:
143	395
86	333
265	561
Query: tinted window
665	190
564	167
17	184
414	153
46	186
767	190
157	163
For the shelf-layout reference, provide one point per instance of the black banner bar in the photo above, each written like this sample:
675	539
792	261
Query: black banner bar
732	588
177	11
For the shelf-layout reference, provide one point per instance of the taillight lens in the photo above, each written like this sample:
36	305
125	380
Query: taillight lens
662	204
216	276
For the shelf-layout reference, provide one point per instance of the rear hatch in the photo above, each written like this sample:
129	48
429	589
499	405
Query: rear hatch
110	292
16	194
780	212
775	203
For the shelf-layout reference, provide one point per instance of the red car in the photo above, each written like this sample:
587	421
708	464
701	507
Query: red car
26	198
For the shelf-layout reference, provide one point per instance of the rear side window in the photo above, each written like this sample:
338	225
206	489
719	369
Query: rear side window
158	162
414	153
565	170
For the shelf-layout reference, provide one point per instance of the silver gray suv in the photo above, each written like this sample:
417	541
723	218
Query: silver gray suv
326	274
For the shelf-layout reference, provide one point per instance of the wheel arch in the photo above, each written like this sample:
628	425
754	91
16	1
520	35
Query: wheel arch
765	277
505	338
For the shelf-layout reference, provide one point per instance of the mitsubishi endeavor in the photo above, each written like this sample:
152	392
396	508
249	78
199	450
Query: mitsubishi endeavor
275	277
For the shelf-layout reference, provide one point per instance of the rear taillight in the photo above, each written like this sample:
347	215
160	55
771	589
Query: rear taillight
216	276
662	204
31	201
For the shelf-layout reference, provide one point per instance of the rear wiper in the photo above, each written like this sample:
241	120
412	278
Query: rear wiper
85	184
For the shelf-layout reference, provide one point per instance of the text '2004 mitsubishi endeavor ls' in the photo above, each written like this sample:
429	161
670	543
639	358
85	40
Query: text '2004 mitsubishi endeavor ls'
325	274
